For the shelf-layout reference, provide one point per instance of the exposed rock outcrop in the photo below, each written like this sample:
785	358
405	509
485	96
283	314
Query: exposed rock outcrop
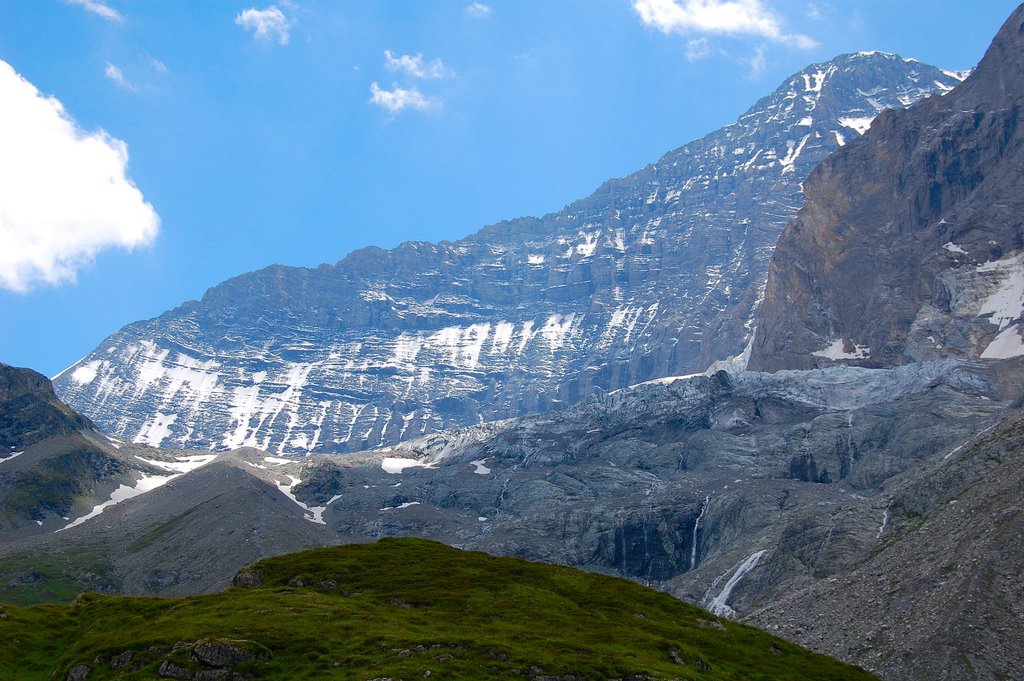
911	241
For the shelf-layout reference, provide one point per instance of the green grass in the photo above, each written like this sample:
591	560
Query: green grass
28	578
400	608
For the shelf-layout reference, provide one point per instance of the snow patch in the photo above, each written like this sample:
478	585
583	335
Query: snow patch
156	430
481	469
393	464
146	483
589	245
401	506
181	464
860	124
1006	345
835	351
1006	304
502	337
556	328
314	514
10	456
85	373
462	345
953	248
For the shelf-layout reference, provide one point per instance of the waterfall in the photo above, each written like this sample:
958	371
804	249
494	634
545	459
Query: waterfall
696	526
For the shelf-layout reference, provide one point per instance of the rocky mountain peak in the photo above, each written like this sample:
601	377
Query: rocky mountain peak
922	217
30	411
655	274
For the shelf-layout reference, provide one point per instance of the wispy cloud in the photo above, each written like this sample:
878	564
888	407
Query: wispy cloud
413	65
64	193
98	8
117	76
267	24
478	10
756	62
697	49
727	17
158	65
398	98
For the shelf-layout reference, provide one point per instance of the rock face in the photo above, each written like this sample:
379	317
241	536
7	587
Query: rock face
940	599
51	457
911	242
655	274
30	411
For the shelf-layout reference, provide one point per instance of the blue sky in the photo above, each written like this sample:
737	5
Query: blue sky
295	132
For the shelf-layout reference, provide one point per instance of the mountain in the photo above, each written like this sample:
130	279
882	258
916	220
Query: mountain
922	217
52	459
56	465
871	512
655	274
400	609
675	483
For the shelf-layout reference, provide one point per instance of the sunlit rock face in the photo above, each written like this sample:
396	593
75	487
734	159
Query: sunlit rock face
655	274
911	242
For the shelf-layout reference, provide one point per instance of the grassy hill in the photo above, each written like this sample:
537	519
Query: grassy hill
404	609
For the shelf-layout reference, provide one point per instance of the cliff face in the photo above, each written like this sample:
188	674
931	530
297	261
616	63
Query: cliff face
655	274
911	241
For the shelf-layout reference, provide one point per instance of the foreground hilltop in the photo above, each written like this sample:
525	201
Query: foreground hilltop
655	274
400	608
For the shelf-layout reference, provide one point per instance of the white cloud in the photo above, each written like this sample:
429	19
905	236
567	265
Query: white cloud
415	66
117	76
698	49
64	194
477	10
729	17
99	8
399	98
266	24
158	65
756	62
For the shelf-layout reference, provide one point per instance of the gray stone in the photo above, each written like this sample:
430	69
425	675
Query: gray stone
78	673
227	652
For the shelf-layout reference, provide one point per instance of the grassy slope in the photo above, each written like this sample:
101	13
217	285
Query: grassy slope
401	607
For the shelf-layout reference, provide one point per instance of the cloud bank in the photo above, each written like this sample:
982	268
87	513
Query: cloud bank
729	17
64	193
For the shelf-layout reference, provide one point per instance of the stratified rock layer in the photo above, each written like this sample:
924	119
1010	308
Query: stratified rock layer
911	242
658	273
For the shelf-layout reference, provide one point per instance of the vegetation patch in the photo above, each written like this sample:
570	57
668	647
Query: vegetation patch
400	609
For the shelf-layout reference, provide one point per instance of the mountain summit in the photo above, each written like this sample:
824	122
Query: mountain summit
922	217
655	274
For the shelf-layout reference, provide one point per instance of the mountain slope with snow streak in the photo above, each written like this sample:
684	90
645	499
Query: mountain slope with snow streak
655	274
